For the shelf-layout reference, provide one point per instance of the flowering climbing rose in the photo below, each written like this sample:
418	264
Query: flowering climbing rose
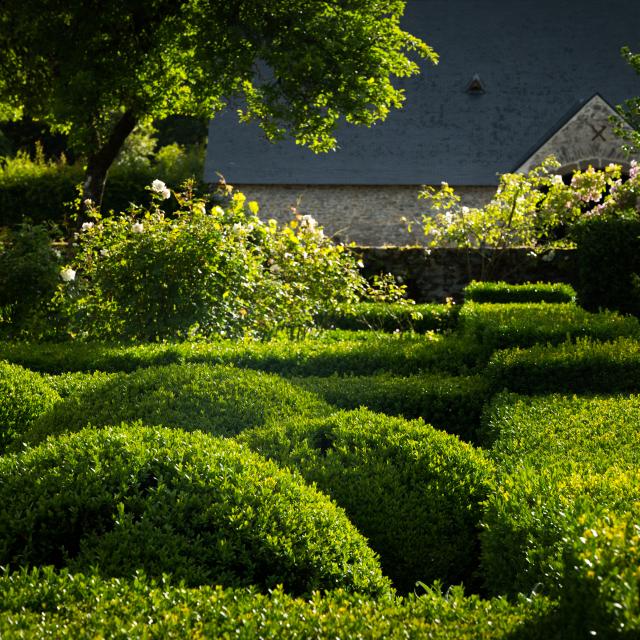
137	227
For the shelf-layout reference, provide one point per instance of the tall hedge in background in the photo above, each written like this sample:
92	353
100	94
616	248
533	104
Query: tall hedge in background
44	190
608	263
29	276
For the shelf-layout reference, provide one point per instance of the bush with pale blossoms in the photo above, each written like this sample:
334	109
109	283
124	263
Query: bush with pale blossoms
204	272
527	210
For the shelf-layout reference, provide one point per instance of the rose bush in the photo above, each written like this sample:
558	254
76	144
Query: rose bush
528	210
221	271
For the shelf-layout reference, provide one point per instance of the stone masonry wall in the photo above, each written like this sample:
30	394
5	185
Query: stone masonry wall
433	276
366	215
371	216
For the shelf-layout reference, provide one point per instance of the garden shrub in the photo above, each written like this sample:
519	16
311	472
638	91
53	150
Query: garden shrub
334	352
608	260
563	462
446	402
503	292
601	594
36	189
204	273
586	430
78	383
29	276
499	326
527	210
24	395
43	190
535	513
221	400
56	358
413	491
381	316
203	509
44	603
583	367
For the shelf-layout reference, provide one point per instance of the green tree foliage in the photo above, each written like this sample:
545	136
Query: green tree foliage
98	69
630	110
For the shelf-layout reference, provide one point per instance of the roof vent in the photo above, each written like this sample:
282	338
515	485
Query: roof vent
475	86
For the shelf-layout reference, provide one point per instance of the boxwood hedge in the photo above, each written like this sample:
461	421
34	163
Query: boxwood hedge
24	395
44	603
452	403
533	516
382	316
339	352
608	261
502	292
77	382
413	491
500	326
221	400
601	580
203	509
563	462
583	367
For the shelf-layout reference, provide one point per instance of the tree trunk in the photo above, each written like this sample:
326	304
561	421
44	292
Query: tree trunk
99	163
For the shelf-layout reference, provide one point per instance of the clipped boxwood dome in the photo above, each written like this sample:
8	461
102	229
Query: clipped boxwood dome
24	395
203	509
412	490
221	400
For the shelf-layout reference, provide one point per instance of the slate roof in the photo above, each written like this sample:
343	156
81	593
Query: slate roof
536	59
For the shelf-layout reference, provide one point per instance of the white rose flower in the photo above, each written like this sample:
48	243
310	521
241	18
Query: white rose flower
159	187
137	227
308	222
68	274
86	226
275	268
465	210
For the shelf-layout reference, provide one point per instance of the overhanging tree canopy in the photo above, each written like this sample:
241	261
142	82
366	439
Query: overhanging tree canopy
630	110
95	69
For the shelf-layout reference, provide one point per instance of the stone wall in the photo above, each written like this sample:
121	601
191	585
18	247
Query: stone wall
371	216
432	276
365	214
